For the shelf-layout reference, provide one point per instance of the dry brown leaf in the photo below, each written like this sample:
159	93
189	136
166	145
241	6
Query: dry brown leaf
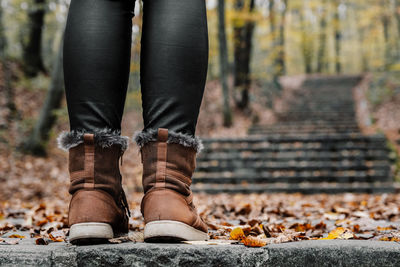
244	210
57	236
41	241
356	228
42	222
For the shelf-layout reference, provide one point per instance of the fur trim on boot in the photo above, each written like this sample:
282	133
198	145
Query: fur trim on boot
141	138
102	137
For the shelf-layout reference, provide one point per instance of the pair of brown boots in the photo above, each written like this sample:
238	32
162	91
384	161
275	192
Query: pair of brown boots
99	210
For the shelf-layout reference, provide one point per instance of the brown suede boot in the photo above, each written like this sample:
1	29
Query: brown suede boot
167	205
98	208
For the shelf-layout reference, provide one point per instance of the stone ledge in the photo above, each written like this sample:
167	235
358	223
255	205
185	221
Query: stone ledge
305	253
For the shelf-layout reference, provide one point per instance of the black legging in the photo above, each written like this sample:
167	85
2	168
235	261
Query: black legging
173	65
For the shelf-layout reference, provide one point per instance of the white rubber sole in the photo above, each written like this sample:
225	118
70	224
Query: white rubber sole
90	230
172	230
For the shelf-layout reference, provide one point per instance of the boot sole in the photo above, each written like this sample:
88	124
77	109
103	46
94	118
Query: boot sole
171	231
90	233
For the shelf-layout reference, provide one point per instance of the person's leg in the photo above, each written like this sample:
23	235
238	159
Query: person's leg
97	49
174	60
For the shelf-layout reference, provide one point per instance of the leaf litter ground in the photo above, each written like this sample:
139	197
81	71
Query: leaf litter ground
254	220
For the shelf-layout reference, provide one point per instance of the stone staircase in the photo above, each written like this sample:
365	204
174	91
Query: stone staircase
315	147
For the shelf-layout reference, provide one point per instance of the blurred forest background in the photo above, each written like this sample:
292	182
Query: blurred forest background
253	44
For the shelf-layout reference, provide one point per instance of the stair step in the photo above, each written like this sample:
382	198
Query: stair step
315	146
289	156
302	138
348	149
261	164
266	167
311	118
252	179
297	129
301	131
303	126
305	188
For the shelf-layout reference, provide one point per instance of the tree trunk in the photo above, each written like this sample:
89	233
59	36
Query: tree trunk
397	14
7	89
306	44
338	37
243	33
385	25
32	54
223	57
280	59
272	18
322	39
364	58
3	40
276	51
36	144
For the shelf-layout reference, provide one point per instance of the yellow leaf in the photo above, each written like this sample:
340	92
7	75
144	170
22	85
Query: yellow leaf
335	233
237	234
384	228
16	236
340	233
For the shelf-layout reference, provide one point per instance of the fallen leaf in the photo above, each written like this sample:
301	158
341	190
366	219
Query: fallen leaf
365	236
131	237
331	216
115	240
41	241
16	236
356	228
42	222
244	210
320	225
9	242
339	209
346	235
361	214
237	234
340	233
390	238
252	241
136	237
385	228
267	232
57	236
